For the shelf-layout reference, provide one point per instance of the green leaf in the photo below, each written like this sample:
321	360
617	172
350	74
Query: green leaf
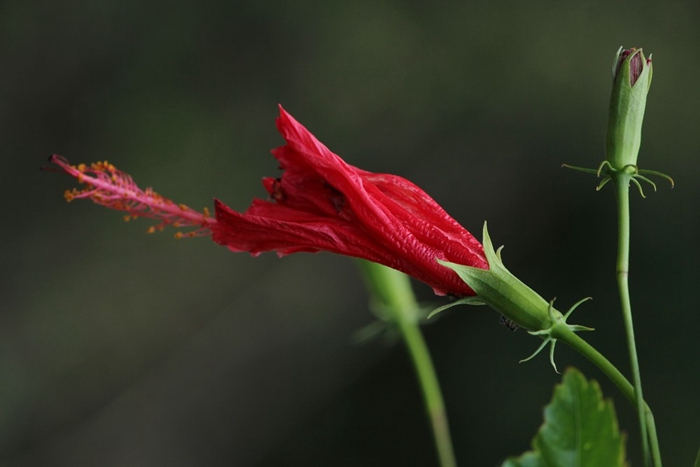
580	429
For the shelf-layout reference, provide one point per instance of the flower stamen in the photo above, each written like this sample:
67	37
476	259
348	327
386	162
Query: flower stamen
108	186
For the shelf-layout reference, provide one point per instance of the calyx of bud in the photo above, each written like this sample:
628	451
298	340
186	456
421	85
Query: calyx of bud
632	74
631	81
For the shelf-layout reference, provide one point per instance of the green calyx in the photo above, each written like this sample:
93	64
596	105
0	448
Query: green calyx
557	330
630	173
505	293
631	81
500	289
632	74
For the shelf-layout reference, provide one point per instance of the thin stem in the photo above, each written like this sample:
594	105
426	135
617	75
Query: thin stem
432	395
572	339
622	181
393	290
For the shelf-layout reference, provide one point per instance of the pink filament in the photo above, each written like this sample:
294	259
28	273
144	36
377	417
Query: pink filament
112	188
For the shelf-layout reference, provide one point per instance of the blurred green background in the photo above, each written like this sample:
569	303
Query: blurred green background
121	348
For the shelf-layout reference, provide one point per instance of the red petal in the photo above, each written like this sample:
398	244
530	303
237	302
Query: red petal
325	204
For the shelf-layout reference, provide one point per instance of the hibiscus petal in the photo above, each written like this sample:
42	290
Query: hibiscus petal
321	203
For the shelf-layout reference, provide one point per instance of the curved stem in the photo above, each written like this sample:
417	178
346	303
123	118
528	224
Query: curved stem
622	181
566	335
393	289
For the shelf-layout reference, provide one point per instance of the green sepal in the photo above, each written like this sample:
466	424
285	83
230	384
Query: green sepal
626	114
562	326
500	289
658	174
461	301
581	169
505	293
635	174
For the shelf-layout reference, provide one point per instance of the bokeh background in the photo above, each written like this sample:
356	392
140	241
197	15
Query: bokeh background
121	348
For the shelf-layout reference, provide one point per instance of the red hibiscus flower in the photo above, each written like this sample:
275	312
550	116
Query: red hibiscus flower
320	203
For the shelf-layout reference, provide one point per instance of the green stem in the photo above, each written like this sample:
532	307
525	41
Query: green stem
564	334
393	290
622	182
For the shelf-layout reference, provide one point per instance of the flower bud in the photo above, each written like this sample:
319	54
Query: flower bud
631	81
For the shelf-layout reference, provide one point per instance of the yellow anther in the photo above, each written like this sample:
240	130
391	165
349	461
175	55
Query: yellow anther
178	235
151	230
206	212
127	218
82	167
183	207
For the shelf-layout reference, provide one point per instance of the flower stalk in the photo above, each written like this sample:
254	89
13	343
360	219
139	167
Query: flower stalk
393	292
622	186
631	81
500	289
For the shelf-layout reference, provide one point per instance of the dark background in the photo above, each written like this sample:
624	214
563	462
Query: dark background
121	348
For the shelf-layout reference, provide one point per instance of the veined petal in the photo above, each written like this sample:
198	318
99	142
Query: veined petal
321	203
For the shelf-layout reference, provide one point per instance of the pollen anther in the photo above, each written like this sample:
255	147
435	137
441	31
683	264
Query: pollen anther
112	188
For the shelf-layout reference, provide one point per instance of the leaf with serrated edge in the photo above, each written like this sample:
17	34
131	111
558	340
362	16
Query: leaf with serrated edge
580	429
